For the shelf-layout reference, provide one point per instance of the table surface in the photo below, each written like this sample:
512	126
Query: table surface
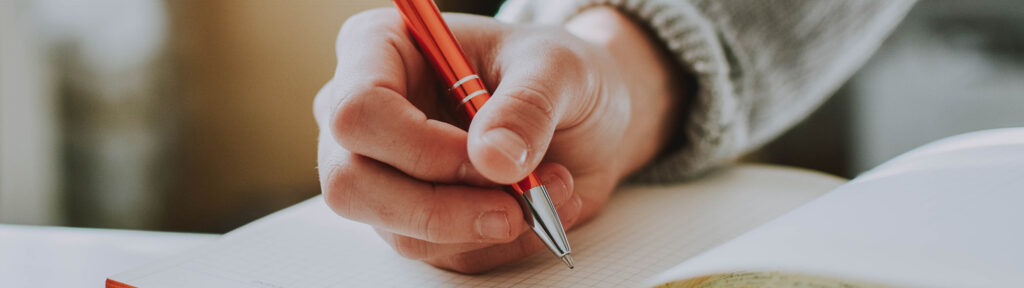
43	256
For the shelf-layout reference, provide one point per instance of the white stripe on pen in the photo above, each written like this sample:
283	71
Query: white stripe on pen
474	94
464	80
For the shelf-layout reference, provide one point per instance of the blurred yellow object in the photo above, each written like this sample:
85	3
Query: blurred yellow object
248	73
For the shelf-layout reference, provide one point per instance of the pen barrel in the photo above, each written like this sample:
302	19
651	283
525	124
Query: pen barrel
440	47
443	51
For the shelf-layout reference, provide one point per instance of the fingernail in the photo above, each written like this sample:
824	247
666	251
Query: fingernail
571	211
493	225
510	144
557	190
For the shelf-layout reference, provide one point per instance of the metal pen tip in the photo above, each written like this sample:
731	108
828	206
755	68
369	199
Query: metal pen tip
568	260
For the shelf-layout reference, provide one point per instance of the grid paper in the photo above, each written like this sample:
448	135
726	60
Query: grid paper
643	231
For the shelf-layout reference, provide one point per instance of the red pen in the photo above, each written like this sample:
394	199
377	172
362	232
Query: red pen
439	46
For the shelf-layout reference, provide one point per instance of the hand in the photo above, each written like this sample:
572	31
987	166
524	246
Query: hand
585	105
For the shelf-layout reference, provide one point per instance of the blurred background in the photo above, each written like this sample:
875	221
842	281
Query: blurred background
194	115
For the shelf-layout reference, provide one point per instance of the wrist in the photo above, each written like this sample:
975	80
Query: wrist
650	75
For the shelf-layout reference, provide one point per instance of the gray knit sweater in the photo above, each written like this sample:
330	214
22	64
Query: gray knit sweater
761	65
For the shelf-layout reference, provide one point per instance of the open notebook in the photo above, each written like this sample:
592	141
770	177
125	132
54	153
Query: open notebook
947	214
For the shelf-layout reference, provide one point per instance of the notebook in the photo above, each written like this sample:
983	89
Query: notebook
944	215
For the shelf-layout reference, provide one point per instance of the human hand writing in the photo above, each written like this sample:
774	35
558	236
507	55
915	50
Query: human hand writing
585	105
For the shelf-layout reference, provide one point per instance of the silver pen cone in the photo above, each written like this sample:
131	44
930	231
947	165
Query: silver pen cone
540	213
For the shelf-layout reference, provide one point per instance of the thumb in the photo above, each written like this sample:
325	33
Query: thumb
511	133
544	85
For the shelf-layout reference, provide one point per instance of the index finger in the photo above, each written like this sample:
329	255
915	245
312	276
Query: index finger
371	54
368	107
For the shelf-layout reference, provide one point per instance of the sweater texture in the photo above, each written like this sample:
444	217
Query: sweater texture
760	66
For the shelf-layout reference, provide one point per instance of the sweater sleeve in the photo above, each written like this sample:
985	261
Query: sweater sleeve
761	65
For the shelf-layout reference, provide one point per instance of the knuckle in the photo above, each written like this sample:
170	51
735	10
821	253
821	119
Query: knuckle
339	191
534	108
430	222
355	110
420	163
433	162
348	115
533	98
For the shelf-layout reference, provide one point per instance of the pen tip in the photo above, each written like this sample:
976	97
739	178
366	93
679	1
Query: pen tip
568	260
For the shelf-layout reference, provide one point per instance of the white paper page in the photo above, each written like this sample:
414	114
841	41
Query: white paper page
950	214
643	231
